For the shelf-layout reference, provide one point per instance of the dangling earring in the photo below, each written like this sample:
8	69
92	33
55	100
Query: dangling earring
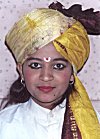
71	82
22	82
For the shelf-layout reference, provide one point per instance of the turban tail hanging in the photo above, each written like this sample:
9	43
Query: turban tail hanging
70	39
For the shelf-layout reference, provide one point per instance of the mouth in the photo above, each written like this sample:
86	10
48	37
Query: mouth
45	89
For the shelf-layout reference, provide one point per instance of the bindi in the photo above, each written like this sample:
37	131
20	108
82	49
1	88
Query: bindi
47	59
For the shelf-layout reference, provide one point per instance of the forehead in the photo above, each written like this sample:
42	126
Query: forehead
48	50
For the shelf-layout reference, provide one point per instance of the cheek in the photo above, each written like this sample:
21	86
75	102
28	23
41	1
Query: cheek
28	76
66	78
63	77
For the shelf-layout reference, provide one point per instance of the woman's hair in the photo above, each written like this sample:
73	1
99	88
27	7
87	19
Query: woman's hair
19	94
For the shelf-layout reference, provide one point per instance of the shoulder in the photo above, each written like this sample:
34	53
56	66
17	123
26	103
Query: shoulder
12	112
15	120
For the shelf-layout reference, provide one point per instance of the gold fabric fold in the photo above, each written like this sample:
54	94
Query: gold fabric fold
73	44
84	113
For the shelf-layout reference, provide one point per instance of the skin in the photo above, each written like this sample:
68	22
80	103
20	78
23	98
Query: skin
55	75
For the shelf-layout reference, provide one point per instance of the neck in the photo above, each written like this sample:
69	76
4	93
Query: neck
49	105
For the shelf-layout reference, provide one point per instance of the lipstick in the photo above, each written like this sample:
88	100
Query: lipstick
45	89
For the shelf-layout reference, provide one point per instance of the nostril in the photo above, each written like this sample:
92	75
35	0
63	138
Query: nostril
46	78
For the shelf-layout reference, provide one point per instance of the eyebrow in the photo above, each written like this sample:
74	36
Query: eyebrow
55	59
60	59
32	58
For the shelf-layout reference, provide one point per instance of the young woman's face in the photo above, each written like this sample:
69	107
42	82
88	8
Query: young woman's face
47	75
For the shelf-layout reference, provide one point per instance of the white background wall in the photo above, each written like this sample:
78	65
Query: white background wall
12	10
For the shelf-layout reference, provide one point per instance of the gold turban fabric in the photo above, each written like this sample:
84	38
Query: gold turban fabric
40	27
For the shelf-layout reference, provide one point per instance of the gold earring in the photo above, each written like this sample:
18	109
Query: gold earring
22	82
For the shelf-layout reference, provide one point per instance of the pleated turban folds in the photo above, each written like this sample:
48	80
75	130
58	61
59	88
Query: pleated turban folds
40	27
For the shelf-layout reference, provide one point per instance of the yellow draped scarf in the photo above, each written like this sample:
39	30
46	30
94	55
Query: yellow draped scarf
40	27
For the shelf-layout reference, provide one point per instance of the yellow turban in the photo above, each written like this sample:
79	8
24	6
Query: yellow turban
42	26
70	39
35	30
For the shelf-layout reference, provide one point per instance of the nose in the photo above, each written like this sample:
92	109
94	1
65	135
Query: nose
46	74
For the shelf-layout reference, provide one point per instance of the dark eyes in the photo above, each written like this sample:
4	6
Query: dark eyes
35	65
58	66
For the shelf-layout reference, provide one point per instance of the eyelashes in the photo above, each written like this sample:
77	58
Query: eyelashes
57	66
35	65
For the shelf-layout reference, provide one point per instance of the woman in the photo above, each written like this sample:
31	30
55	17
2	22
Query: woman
49	99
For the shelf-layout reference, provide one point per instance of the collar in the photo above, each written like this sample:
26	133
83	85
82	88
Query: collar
45	116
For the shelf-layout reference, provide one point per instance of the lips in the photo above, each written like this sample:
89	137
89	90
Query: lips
45	89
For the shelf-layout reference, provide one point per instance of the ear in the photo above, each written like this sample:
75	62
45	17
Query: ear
19	68
72	78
